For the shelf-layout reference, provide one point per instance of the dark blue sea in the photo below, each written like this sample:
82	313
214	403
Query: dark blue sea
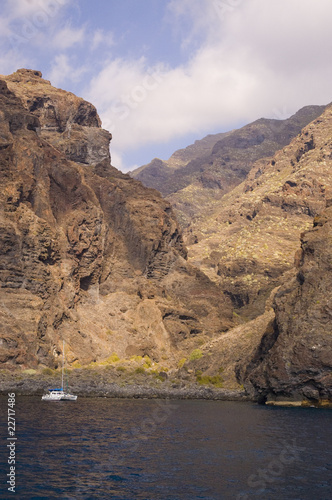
122	449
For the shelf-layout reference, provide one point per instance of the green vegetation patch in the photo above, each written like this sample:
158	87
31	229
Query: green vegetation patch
46	371
113	358
136	358
30	371
215	380
163	369
196	354
121	368
147	362
182	362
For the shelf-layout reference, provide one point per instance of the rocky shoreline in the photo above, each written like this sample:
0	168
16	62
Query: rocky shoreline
93	385
92	258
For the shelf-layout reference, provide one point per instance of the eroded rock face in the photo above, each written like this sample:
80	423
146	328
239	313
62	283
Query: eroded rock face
69	123
196	178
249	242
251	245
294	357
87	254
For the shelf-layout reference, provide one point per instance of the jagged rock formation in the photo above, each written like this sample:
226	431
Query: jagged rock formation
285	353
249	242
196	178
163	176
276	273
87	253
244	210
66	121
293	358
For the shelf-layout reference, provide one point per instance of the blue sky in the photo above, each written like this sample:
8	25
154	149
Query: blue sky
163	73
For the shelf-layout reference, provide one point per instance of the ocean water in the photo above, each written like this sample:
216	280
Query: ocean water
167	450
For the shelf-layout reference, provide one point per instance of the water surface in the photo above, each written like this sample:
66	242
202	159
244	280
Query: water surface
168	450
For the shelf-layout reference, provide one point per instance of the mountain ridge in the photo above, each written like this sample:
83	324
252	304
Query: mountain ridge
198	185
88	254
91	256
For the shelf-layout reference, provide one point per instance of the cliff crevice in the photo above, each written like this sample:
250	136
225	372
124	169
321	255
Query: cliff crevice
87	254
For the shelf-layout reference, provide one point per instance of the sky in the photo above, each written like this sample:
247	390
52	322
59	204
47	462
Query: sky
163	73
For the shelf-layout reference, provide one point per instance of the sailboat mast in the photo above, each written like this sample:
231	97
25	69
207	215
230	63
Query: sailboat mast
63	362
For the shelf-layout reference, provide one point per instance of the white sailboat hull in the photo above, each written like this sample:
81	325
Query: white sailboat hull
51	397
59	394
68	397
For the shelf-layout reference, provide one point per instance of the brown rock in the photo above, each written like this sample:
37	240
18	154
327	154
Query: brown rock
294	358
196	178
249	242
69	123
87	254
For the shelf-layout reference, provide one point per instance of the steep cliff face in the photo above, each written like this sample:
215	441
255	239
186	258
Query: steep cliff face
67	122
249	242
91	256
171	175
251	246
294	358
243	211
285	353
87	254
196	178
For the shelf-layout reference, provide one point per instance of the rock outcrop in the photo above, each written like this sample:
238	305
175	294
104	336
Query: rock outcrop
244	233
91	256
294	357
66	121
249	242
284	355
196	178
87	254
251	246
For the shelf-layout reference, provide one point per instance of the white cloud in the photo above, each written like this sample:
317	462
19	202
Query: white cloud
37	12
63	70
28	8
67	37
257	57
241	59
4	28
26	27
99	37
117	159
11	61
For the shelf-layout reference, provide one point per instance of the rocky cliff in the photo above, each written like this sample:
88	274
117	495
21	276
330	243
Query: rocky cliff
87	254
248	243
293	358
259	244
91	256
196	178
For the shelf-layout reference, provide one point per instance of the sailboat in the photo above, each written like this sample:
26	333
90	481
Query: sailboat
59	394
